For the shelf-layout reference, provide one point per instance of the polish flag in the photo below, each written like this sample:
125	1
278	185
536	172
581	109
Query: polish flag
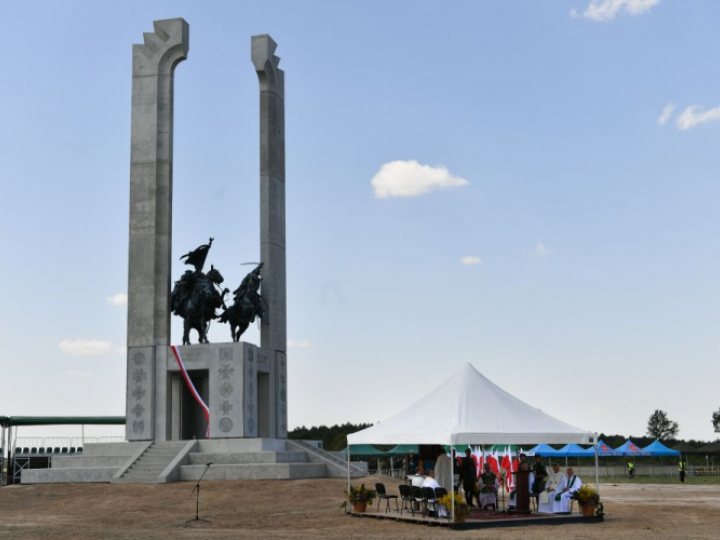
507	464
492	460
479	452
476	457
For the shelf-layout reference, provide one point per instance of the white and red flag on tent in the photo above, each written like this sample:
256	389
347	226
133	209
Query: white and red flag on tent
507	463
191	386
478	458
491	458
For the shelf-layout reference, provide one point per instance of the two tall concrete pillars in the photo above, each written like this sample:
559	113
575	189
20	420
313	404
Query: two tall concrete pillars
272	212
148	333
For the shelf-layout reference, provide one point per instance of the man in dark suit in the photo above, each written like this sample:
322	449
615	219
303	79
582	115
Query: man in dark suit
468	476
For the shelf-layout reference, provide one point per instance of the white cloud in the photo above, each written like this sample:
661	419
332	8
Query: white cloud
695	115
410	179
541	250
470	260
120	299
298	344
666	113
84	347
607	10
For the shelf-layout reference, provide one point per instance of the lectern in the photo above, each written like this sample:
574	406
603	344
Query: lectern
522	493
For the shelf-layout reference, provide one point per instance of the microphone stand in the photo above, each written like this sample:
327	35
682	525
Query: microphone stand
197	497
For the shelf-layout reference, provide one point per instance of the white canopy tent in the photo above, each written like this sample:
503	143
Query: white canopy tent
469	409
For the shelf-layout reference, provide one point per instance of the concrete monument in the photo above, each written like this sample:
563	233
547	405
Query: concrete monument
243	385
243	431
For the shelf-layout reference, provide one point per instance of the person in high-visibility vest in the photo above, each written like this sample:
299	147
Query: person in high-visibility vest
681	470
631	469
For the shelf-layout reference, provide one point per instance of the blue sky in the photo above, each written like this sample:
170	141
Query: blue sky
591	222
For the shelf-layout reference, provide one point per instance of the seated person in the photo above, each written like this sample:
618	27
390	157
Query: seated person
565	496
540	473
489	485
555	484
432	483
419	477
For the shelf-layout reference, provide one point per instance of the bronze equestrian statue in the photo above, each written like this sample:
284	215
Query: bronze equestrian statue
196	295
248	304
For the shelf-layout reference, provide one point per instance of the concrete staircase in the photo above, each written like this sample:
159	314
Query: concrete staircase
148	467
173	461
248	459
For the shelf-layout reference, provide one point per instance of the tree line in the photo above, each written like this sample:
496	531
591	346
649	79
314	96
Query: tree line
334	438
659	426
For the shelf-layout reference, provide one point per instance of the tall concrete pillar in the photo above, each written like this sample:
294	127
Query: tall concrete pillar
272	211
151	155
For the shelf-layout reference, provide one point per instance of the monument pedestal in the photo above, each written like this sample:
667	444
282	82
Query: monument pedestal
244	387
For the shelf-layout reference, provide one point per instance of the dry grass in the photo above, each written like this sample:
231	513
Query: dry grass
308	509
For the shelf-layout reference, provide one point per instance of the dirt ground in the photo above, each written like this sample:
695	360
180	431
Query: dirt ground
308	509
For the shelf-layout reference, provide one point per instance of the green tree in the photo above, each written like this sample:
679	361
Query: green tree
716	421
661	427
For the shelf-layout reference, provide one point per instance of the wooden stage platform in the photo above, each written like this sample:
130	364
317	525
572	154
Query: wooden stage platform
480	519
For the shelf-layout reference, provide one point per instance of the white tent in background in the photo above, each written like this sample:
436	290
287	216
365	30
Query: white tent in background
469	409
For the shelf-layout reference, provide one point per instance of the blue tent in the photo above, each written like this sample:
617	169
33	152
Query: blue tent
544	450
574	450
605	449
630	449
659	449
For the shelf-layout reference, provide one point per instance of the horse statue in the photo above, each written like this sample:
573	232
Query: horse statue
195	296
248	304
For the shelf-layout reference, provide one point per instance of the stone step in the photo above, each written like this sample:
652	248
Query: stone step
140	469
240	458
61	462
257	471
68	476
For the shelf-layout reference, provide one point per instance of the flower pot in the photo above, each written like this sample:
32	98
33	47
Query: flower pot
588	509
359	506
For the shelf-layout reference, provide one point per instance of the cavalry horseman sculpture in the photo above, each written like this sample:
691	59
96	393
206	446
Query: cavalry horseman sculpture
197	296
248	304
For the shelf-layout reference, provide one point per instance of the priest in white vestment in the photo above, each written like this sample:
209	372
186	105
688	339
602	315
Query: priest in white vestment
554	485
431	482
419	477
442	471
573	484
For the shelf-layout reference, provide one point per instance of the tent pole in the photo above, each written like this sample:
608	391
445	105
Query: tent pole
597	468
452	481
2	473
348	476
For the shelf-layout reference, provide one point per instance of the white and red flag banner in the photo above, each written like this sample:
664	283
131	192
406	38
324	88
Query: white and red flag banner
507	463
191	386
478	459
492	459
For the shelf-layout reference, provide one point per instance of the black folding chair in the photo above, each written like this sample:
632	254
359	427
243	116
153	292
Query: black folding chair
407	497
430	499
382	495
419	497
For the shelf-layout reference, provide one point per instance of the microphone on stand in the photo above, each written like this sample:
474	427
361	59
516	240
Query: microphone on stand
196	490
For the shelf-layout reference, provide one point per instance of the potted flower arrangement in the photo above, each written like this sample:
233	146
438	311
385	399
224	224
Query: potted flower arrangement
589	500
461	508
360	497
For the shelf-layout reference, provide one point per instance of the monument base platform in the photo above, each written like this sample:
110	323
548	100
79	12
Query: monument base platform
185	461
